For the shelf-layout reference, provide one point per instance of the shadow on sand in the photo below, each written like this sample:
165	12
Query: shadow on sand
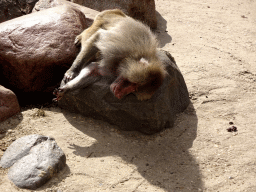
162	159
161	31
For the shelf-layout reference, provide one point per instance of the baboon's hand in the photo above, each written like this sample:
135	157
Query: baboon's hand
77	40
58	93
69	75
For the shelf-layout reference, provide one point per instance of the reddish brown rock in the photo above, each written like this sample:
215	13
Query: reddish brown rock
37	49
9	105
10	9
143	10
45	4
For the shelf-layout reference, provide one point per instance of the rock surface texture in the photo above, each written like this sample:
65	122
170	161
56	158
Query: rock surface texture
46	4
36	49
34	160
10	9
9	104
130	114
143	10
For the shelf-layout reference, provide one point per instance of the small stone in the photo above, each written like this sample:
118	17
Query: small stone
9	104
34	159
10	131
232	129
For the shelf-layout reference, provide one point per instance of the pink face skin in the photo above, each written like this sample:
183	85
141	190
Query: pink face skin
121	87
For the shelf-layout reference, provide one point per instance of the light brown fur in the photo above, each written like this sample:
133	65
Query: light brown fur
127	47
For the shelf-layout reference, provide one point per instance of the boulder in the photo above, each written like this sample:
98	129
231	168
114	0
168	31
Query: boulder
46	4
15	8
9	104
35	159
129	113
143	10
37	49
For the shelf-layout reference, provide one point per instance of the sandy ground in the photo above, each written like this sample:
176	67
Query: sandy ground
214	44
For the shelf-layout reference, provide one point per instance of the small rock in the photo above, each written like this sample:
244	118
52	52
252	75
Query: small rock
9	105
35	159
10	131
232	129
19	149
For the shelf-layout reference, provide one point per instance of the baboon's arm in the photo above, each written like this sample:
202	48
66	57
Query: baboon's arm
87	53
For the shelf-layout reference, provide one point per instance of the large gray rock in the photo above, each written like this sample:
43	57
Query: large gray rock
10	9
34	160
37	49
9	104
129	113
19	149
143	10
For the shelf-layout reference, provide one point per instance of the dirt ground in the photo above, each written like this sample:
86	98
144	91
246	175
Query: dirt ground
214	44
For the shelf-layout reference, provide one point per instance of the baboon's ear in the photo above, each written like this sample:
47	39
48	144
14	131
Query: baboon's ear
144	62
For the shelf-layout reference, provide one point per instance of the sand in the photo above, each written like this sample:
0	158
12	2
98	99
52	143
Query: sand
214	44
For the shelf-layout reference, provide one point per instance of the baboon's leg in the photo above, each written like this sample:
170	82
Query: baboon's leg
88	51
86	77
86	34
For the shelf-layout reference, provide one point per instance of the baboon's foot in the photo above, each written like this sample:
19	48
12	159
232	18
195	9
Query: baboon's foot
58	93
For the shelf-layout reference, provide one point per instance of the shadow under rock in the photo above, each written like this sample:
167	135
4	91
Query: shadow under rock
161	31
162	159
58	178
10	124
